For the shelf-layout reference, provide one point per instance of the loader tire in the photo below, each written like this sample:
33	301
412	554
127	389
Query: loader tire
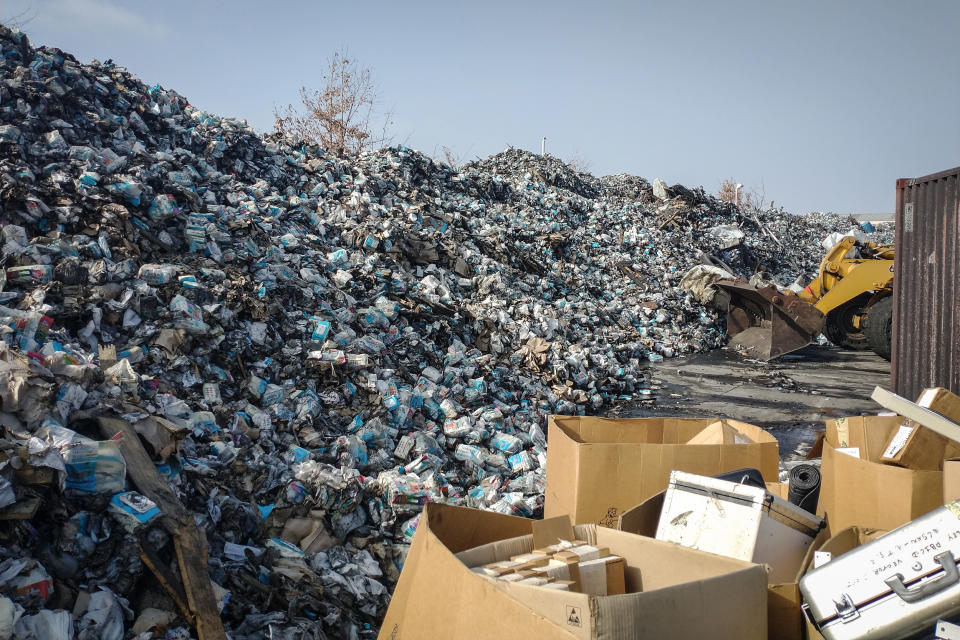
878	326
840	329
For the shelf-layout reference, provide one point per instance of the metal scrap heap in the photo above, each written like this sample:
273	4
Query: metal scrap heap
235	347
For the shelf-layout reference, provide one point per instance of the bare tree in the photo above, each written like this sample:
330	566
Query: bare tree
758	197
753	200
450	157
340	116
578	163
727	191
19	20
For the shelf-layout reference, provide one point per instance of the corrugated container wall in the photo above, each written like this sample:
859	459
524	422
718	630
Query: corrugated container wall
926	285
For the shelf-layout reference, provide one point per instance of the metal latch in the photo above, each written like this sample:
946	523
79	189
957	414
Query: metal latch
947	631
846	610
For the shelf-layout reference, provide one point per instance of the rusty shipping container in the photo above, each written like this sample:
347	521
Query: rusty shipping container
926	284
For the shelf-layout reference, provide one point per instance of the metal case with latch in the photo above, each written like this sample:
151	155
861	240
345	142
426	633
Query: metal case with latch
893	587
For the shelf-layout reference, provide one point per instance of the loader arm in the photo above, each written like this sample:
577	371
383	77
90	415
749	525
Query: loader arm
868	275
829	271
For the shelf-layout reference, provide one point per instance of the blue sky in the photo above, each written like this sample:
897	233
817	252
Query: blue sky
821	104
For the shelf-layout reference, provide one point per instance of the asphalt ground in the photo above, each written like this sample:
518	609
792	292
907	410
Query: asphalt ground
791	397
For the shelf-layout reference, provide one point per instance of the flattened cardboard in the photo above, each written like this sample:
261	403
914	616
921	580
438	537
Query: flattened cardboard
598	467
643	518
672	592
785	620
862	492
108	355
551	531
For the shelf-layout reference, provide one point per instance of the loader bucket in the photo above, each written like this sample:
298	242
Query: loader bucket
768	322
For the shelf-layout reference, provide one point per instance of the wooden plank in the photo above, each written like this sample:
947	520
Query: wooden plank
672	213
191	545
23	510
930	419
170	581
189	541
141	469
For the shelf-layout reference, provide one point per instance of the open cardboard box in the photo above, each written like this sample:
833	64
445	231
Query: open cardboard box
598	467
785	619
672	592
914	446
860	491
941	400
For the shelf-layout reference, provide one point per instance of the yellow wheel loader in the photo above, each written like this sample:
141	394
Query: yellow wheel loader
849	302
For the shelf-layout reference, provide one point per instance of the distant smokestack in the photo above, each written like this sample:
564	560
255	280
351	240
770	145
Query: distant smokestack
543	146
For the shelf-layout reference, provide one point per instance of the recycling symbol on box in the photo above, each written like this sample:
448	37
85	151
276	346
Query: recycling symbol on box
573	616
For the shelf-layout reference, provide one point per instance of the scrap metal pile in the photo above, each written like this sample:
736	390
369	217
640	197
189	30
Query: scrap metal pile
309	348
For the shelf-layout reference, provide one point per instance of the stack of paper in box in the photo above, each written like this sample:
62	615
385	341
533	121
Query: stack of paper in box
566	566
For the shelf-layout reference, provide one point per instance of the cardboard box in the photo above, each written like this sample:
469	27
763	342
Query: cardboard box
838	544
644	518
722	432
951	480
598	467
616	575
602	576
946	404
942	401
916	447
913	446
862	491
672	592
779	489
908	409
785	619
